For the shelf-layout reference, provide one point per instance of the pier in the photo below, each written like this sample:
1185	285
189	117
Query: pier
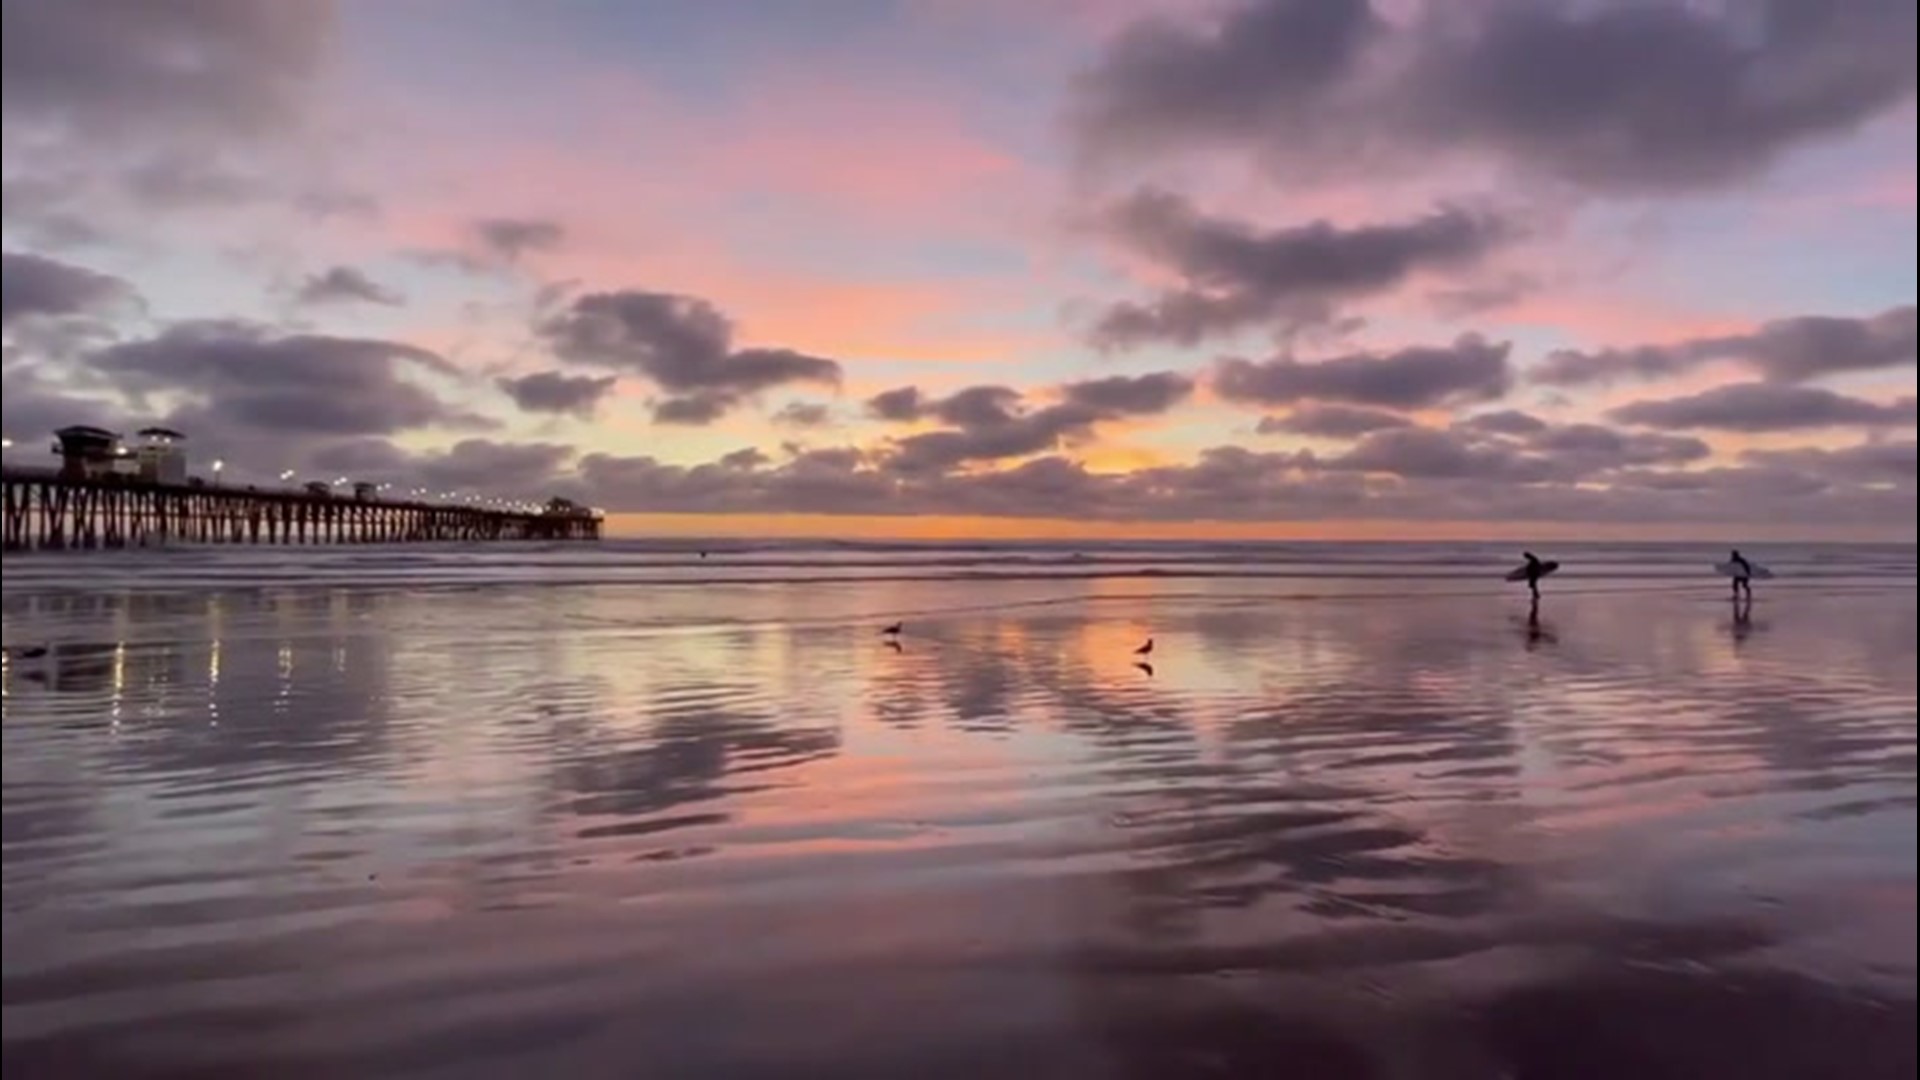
47	511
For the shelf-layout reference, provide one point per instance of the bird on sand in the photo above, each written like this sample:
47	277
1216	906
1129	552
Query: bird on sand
1145	650
893	631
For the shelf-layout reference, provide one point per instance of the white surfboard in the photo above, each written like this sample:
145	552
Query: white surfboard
1732	570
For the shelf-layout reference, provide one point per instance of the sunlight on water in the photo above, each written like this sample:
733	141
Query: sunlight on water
729	830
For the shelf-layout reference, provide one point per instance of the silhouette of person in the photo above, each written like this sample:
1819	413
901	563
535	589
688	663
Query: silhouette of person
1535	571
1742	575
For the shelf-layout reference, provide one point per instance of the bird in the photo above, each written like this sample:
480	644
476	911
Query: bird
1145	650
31	652
894	630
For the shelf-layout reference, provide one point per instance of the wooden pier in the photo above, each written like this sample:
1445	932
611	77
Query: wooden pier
46	512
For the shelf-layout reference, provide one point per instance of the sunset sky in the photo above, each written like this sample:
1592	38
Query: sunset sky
938	267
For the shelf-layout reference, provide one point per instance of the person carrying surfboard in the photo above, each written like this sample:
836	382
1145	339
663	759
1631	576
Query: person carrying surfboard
1742	574
1535	571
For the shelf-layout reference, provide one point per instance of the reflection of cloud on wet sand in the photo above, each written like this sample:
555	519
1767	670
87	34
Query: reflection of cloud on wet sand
1345	834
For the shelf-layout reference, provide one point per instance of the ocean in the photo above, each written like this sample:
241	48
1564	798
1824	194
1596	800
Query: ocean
622	810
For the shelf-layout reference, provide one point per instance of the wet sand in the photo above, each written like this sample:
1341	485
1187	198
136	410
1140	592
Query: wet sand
729	832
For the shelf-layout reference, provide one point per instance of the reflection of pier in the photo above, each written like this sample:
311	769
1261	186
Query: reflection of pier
47	512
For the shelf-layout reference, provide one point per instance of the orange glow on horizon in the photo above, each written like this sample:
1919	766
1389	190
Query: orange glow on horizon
944	527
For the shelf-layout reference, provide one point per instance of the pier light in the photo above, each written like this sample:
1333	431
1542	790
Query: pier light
286	474
342	480
218	464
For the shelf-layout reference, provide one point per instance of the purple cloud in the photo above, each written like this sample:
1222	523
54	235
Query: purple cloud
1756	407
1236	276
1619	98
558	392
34	286
1784	350
682	344
507	239
1331	422
1471	369
344	284
244	375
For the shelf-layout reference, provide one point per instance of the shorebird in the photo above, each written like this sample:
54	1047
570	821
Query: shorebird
1145	650
893	631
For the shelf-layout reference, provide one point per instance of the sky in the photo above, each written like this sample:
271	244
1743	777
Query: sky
949	268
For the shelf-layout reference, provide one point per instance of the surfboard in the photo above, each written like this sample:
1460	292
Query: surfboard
1519	573
1727	569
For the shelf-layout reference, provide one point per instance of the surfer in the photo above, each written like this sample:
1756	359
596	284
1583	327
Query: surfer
1742	574
1535	571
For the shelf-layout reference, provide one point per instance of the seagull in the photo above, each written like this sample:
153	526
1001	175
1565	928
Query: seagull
1145	650
893	631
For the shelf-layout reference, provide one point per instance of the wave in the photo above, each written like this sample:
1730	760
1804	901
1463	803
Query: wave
629	564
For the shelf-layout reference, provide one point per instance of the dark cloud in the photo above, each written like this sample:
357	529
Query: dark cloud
508	239
173	180
42	212
33	407
1426	453
803	414
991	423
344	284
1660	94
746	457
1784	350
484	465
693	410
233	374
34	286
682	344
1755	407
113	67
1547	454
1235	275
1331	422
558	392
1469	370
1015	436
978	406
900	405
1163	82
1870	462
1136	395
1505	422
1397	475
1606	448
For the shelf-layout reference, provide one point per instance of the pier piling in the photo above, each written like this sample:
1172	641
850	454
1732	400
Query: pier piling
46	512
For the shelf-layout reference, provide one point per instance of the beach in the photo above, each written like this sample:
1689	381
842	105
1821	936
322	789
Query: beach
632	811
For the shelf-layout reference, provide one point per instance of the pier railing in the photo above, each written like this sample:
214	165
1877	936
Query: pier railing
48	512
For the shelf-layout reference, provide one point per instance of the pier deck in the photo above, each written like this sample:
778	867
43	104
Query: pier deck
46	512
